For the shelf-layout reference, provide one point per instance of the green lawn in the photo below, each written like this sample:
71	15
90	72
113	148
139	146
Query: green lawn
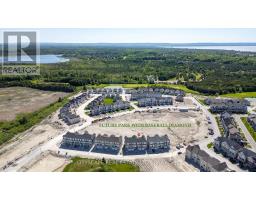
240	95
108	101
174	86
249	127
210	145
220	126
92	165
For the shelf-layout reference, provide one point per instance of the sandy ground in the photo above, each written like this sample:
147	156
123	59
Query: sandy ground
174	164
29	140
47	162
23	100
177	135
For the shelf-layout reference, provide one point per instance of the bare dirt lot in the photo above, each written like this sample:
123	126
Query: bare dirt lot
30	139
175	164
47	162
196	131
15	100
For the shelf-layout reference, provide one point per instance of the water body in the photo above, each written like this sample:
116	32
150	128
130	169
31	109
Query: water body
234	48
44	59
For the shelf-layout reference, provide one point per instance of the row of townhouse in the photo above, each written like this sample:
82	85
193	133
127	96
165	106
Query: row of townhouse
155	101
161	90
229	107
83	142
100	99
112	144
202	160
252	120
236	153
103	109
140	145
107	144
230	129
105	91
218	105
66	112
97	101
210	101
138	96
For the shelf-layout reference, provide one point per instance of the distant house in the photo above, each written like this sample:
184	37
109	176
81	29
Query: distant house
202	160
252	120
210	101
158	144
78	141
107	144
144	102
135	145
228	105
155	92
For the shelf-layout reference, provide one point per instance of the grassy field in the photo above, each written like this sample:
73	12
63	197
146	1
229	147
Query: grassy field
108	101
240	95
91	165
25	121
17	100
174	86
249	127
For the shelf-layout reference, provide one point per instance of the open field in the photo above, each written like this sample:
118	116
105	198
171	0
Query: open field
196	129
91	165
47	162
174	86
16	100
241	95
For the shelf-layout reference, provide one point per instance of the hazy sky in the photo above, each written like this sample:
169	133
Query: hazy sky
144	35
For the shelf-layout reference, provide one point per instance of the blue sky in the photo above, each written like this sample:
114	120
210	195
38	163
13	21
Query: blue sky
145	35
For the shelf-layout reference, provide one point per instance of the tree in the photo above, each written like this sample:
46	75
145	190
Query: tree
23	120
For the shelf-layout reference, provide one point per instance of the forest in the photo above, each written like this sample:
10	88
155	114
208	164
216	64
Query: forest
205	71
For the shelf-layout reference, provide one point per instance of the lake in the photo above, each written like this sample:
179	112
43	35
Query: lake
46	59
234	48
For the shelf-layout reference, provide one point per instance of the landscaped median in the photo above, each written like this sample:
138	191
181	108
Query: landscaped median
93	165
249	127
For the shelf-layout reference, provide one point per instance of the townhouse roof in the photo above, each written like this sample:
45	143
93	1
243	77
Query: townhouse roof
134	139
76	135
158	138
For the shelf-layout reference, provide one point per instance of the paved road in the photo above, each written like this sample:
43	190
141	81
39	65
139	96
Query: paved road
118	157
246	132
208	114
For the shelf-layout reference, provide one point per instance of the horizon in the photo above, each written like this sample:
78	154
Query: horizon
143	36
